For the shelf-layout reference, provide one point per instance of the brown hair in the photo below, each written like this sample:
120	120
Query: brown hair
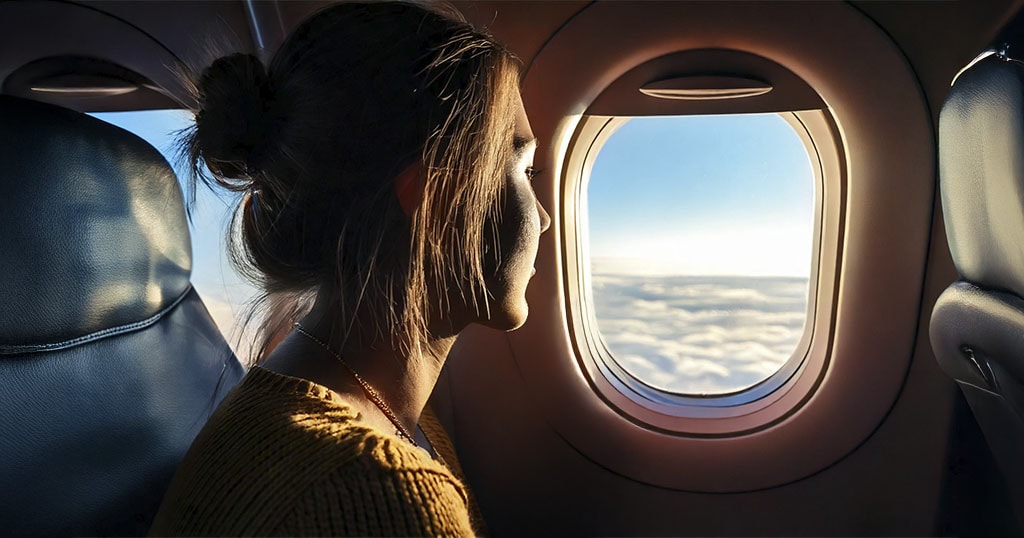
357	93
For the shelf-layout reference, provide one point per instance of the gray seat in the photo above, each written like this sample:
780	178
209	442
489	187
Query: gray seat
977	326
109	362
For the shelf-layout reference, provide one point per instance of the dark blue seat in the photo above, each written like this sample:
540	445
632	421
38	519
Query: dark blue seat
109	362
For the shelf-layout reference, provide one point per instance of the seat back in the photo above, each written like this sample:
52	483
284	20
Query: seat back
977	326
109	362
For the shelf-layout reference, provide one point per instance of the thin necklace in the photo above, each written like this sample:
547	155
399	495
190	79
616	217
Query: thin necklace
371	393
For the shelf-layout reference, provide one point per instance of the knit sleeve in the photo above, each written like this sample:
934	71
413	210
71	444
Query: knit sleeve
363	498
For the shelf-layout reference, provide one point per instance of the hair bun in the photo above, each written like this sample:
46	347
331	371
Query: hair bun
232	125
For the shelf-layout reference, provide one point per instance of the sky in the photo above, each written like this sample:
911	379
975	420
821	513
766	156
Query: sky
675	206
702	195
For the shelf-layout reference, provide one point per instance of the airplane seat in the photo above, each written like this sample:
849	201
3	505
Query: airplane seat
977	326
109	361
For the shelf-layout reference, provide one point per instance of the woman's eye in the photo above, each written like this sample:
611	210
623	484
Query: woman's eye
532	172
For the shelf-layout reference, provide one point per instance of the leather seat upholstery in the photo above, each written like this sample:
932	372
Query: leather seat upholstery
109	362
977	328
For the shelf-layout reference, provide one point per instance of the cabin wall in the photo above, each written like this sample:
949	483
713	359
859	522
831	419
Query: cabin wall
531	479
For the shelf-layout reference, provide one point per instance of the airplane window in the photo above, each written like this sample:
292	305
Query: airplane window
701	233
222	289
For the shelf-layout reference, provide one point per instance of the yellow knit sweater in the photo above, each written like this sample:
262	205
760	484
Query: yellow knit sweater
283	456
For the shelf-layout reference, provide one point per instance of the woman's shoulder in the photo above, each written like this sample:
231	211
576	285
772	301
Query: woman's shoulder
280	445
269	412
276	408
365	481
386	488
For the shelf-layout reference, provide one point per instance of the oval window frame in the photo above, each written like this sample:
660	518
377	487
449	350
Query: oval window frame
611	379
874	301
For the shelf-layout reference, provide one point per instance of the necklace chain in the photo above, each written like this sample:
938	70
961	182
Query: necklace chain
368	389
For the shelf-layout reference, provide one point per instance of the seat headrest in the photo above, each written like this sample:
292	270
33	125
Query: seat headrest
981	173
93	234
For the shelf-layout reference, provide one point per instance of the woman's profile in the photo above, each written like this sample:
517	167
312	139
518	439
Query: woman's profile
385	160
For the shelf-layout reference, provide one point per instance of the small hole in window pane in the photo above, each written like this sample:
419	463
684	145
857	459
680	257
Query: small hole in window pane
701	237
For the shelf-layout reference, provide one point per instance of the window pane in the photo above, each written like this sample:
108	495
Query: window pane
701	236
222	289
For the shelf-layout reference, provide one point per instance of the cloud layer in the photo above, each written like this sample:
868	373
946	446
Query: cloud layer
700	335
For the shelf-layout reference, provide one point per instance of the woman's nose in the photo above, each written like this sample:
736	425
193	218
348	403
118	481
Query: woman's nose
545	219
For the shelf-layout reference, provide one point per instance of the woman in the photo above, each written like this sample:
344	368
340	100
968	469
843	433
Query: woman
387	159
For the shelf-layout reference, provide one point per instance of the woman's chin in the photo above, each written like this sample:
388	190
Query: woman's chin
506	318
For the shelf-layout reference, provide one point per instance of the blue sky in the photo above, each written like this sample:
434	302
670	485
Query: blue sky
702	195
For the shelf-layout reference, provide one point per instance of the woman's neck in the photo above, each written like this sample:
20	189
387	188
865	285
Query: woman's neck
403	380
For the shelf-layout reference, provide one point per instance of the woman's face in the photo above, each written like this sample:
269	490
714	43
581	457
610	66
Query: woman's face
518	230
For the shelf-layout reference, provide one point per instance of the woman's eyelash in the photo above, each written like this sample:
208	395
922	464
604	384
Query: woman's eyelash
532	172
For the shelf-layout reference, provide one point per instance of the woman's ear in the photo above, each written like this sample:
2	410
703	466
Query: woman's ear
409	187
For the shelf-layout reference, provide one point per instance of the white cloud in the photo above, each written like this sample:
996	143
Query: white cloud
700	335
